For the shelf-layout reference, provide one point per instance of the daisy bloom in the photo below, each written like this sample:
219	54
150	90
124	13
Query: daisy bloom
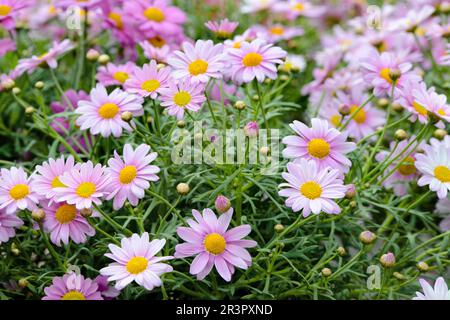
130	177
364	121
85	4
63	221
311	189
147	81
295	8
182	96
47	59
153	52
136	260
433	102
9	10
439	292
279	32
435	167
108	292
46	176
197	63
8	224
102	114
250	6
386	71
324	145
84	185
72	287
408	97
112	74
223	29
256	59
207	238
16	191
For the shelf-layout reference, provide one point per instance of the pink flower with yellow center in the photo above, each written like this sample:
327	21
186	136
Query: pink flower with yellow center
8	224
136	260
16	191
223	29
439	291
102	113
213	245
148	80
130	177
112	74
9	10
72	287
84	185
310	189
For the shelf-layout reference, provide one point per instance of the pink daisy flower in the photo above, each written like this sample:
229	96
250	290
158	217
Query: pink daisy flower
250	6
439	292
108	292
153	52
213	245
324	145
223	29
197	63
16	191
148	81
49	58
72	287
296	8
85	4
102	114
182	96
112	74
9	10
433	102
365	122
46	177
279	32
435	167
84	185
407	99
8	224
256	59
311	189
130	177
63	221
136	260
379	70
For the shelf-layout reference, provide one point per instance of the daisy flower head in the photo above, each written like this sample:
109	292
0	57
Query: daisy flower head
385	71
72	287
250	6
431	102
440	290
85	4
182	96
435	168
136	260
255	59
197	63
84	185
8	224
208	239
158	53
296	8
311	189
130	177
322	144
102	113
64	222
279	32
16	191
115	75
9	10
223	29
408	97
46	176
47	59
108	292
148	80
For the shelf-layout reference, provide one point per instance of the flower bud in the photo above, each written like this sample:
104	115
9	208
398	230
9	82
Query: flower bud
399	276
264	151
222	204
240	105
29	110
14	250
8	84
86	213
400	135
344	109
126	116
353	204
367	237
383	103
422	266
395	74
38	215
341	251
92	55
397	107
181	124
251	129
284	77
255	97
159	66
103	59
278	228
440	134
16	90
183	188
351	191
23	283
387	260
326	272
39	85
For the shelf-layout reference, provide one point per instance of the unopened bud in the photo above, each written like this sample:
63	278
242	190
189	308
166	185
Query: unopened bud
39	85
422	266
387	260
38	215
16	90
126	116
278	228
326	272
240	105
183	188
92	55
367	237
353	204
284	77
264	151
86	213
440	134
159	66
222	204
23	283
344	109
8	84
400	135
399	276
150	119
395	74
255	97
251	129
181	124
351	191
29	110
397	107
341	251
103	59
383	102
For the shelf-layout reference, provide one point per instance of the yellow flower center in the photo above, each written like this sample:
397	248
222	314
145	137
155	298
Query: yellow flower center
360	116
73	295
407	167
154	14
384	73
279	31
237	45
19	191
117	18
215	243
4	9
420	31
150	85
335	120
298	7
65	213
120	76
311	190
127	174
52	10
441	112
157	41
136	265
108	110
420	109
318	148
86	189
56	183
252	59
182	98
442	173
198	67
